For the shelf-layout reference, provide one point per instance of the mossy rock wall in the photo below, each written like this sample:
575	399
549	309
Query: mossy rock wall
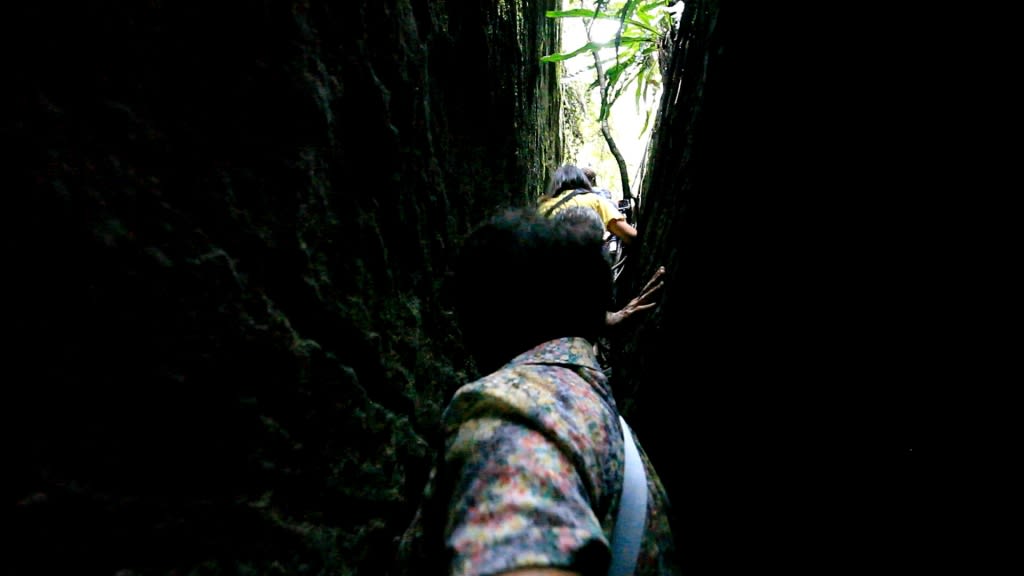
228	228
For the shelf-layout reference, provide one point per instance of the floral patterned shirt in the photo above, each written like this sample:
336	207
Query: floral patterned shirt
532	471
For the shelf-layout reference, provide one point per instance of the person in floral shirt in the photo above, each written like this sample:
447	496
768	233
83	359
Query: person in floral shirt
530	474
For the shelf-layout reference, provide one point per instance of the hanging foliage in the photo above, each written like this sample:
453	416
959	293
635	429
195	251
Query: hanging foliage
633	63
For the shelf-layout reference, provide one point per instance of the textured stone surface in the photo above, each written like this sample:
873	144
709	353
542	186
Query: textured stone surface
229	227
762	386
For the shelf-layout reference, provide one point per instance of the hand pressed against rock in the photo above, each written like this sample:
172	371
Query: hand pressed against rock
642	301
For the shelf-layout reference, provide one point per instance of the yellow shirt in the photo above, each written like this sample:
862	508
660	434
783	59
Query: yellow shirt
604	207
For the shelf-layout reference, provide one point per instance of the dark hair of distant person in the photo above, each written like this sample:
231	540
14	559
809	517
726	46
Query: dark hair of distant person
567	177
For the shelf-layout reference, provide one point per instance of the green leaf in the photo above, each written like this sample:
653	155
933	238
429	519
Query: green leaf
591	47
651	6
626	40
644	26
580	13
627	9
588	47
640	88
625	53
615	71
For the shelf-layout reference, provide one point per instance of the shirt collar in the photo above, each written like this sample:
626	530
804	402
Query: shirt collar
570	350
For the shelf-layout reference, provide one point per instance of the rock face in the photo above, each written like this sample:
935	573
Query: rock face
228	229
761	385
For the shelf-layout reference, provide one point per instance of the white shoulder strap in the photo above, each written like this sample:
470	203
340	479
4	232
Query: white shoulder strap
629	524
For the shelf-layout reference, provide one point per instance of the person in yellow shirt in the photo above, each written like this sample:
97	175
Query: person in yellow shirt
570	199
571	189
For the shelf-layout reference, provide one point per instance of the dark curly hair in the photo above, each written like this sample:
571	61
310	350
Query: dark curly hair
522	279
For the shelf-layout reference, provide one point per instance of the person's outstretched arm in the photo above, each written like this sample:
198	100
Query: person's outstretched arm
623	230
643	301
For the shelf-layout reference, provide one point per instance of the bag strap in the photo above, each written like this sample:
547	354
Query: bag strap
629	524
565	198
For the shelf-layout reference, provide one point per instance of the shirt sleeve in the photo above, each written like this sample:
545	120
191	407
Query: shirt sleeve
516	501
607	210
